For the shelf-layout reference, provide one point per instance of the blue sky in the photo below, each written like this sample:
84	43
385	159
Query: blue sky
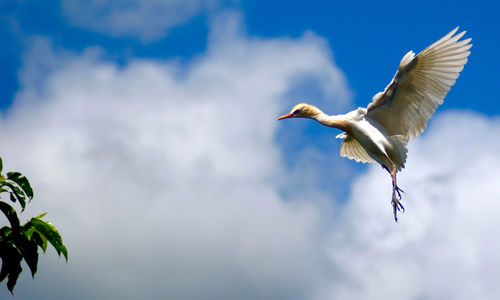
367	39
148	130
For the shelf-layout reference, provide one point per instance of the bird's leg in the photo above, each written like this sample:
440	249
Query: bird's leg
396	204
396	189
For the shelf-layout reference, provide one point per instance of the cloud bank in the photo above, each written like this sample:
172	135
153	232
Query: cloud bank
163	177
146	20
445	246
170	181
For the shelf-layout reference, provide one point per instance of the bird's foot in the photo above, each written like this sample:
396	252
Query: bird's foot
396	204
399	191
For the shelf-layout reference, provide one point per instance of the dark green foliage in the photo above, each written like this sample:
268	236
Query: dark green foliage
21	242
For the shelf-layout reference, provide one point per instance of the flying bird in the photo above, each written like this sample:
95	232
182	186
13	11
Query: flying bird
380	132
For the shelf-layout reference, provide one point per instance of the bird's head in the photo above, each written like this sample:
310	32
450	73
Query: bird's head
302	110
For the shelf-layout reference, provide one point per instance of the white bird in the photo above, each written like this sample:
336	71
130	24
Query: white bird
380	132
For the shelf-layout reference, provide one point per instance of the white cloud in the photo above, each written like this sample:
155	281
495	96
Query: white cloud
165	179
446	245
145	19
162	177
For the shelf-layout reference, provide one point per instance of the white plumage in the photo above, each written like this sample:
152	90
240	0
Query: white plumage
400	113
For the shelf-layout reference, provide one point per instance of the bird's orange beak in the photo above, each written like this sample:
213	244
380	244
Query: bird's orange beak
288	115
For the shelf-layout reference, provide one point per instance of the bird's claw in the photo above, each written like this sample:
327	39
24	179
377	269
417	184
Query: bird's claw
400	207
399	191
396	204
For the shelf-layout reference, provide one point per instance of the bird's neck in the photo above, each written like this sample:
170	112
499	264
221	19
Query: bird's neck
336	121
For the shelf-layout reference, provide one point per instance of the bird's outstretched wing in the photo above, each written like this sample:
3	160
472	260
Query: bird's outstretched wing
419	86
352	149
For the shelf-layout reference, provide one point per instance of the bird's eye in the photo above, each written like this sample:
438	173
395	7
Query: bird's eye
297	111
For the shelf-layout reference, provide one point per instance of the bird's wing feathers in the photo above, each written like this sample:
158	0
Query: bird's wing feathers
352	149
419	86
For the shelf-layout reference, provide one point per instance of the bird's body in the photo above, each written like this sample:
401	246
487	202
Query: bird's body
380	132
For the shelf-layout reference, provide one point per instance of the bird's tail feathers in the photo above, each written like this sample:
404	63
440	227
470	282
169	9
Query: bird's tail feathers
399	143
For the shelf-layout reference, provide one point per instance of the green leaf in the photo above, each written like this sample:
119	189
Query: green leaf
48	230
11	265
28	230
16	194
11	215
5	233
40	240
29	251
22	242
22	181
5	253
13	198
40	216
